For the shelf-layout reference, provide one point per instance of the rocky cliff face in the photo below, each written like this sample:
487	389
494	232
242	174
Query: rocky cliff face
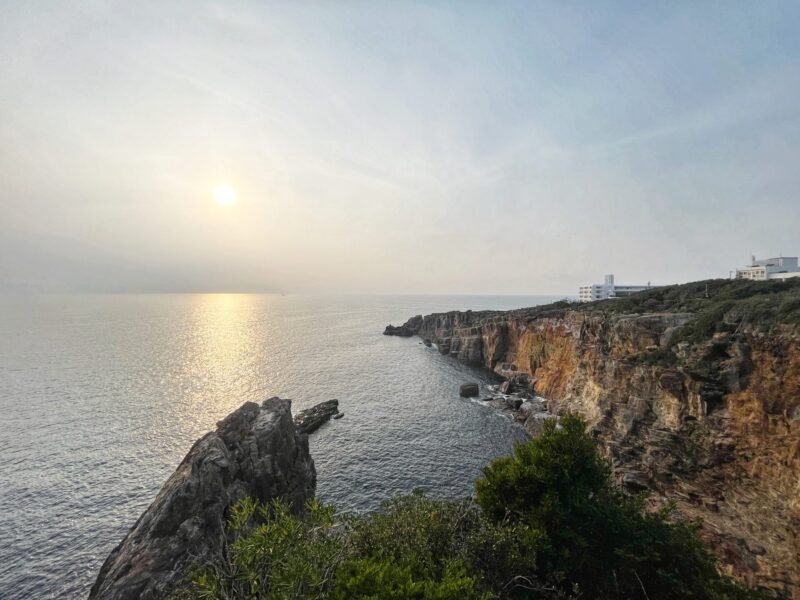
255	452
713	425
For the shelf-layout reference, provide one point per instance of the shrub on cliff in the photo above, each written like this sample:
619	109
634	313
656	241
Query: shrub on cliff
272	554
412	547
592	533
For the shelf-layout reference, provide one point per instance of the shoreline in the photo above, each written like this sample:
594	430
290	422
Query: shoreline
690	392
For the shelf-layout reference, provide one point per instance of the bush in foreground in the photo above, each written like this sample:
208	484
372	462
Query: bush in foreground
593	534
548	523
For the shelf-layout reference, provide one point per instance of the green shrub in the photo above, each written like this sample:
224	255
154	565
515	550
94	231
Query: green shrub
430	536
594	534
273	554
376	579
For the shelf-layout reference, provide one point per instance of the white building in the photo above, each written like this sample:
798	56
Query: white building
770	268
608	289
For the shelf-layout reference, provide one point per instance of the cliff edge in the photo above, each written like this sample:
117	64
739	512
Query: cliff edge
692	391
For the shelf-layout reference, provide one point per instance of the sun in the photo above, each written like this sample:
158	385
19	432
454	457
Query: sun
225	195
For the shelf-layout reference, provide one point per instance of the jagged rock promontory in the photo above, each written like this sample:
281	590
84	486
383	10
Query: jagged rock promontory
407	329
311	419
692	391
255	451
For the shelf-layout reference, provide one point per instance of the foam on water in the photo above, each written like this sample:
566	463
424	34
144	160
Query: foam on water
101	397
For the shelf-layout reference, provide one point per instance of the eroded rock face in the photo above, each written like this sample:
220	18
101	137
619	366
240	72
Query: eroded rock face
724	444
255	451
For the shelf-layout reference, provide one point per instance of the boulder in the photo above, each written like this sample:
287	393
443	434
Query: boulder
535	405
518	383
255	451
311	419
514	403
469	390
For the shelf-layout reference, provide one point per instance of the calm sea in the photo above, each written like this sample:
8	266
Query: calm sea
102	396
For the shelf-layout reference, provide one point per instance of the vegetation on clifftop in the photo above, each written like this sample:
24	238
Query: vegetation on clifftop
548	523
711	295
719	304
721	307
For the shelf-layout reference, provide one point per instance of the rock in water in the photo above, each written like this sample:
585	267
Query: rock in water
469	390
255	451
309	420
407	329
514	403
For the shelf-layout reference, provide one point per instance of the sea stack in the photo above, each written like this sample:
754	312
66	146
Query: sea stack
255	451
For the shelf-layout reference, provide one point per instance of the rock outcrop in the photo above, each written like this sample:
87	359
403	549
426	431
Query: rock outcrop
255	451
407	329
712	423
311	419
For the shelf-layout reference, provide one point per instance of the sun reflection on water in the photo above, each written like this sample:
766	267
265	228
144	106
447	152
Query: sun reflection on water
219	351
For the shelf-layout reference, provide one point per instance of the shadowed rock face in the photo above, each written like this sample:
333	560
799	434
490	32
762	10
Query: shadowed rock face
255	451
723	442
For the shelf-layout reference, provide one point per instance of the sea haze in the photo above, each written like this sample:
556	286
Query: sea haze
102	396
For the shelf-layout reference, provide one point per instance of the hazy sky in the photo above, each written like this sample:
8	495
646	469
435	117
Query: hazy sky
468	147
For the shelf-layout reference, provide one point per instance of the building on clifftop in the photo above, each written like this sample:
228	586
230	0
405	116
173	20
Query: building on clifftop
770	268
608	289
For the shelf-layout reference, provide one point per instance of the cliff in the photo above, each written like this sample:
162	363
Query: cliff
692	391
256	452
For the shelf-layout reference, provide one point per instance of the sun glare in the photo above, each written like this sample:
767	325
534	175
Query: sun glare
225	195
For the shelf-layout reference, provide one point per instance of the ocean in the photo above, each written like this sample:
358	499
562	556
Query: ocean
101	396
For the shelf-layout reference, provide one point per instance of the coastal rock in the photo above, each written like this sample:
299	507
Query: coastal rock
516	383
255	451
532	420
469	390
311	419
514	403
407	329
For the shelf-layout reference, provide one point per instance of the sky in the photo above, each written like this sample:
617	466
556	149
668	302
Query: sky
394	147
